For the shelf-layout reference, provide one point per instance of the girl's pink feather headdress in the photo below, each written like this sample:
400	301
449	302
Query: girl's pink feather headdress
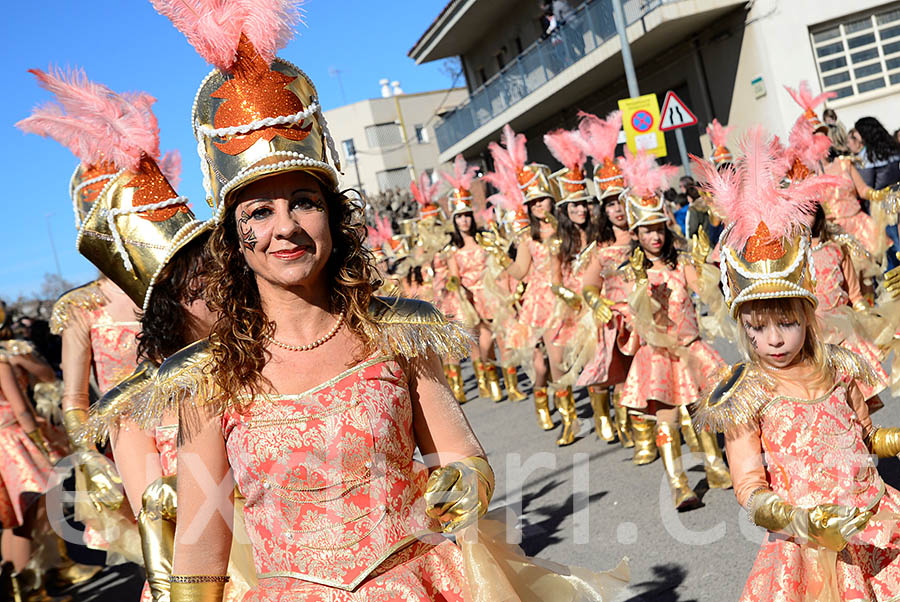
806	150
381	233
462	176
600	136
643	175
718	135
803	96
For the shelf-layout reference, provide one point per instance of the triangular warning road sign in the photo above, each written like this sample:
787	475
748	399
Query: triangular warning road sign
675	113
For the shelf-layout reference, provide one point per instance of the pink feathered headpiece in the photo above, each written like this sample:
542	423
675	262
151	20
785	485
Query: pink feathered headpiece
806	149
214	27
94	122
600	136
803	96
509	162
643	175
568	148
380	233
424	193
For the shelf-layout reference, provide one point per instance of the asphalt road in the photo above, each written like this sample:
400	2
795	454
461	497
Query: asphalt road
588	505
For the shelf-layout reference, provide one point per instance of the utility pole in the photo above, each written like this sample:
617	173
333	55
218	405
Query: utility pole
412	166
631	77
335	72
53	245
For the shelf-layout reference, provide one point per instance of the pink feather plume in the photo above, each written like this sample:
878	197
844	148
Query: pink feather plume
803	96
214	27
806	145
509	160
750	192
380	233
94	122
463	174
424	191
643	175
170	166
718	133
567	147
486	215
600	135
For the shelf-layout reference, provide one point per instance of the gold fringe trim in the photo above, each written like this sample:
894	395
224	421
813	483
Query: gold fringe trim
184	381
17	347
735	400
87	297
849	364
717	323
127	400
411	328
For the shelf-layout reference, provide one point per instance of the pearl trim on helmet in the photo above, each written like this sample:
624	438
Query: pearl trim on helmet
184	232
117	238
265	122
75	189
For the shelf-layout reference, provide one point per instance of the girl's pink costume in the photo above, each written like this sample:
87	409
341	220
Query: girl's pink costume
843	209
472	263
537	300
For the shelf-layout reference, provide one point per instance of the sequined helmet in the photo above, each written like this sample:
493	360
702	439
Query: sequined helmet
460	181
536	182
600	137
644	178
254	115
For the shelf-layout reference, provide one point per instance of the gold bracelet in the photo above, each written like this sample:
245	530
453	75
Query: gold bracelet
199	578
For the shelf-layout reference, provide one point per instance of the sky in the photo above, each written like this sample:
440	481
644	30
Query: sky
127	46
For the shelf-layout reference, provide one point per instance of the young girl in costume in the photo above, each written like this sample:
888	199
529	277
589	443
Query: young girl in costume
673	363
607	366
798	433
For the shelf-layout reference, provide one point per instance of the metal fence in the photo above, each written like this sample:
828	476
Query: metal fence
591	25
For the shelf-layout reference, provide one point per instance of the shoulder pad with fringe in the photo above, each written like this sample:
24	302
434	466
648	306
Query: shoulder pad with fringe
128	399
186	374
739	394
848	364
87	297
413	328
852	244
17	347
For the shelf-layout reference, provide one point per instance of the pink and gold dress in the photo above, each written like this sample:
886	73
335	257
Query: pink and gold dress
815	453
673	364
608	366
836	288
537	300
472	263
842	208
445	300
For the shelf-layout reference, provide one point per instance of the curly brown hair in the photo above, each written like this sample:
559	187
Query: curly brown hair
236	343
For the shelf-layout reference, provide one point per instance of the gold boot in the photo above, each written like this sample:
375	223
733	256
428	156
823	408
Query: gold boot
454	379
565	405
492	379
623	422
668	440
27	587
600	404
644	432
717	474
511	378
687	429
483	391
542	406
68	572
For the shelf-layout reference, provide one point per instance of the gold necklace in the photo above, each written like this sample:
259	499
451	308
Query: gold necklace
318	342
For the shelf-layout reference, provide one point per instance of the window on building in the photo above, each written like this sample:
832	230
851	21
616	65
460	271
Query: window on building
482	74
384	135
860	53
500	61
349	150
393	178
519	48
421	134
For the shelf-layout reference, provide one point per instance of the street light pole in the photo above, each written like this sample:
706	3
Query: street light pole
53	245
412	166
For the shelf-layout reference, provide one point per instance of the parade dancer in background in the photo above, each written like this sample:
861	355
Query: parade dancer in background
466	263
798	433
673	363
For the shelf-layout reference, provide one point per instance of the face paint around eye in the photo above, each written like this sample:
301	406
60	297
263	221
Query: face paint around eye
248	236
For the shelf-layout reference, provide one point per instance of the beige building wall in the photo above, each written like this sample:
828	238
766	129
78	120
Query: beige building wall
391	156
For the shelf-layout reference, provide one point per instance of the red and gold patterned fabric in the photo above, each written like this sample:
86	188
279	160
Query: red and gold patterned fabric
472	263
537	300
843	208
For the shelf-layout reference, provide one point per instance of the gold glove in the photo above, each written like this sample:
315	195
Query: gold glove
520	291
828	525
37	437
103	483
197	588
458	494
156	524
496	247
700	249
452	284
860	305
600	305
877	196
885	442
75	421
569	296
637	265
892	281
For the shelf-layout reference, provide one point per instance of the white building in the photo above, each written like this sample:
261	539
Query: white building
728	59
375	155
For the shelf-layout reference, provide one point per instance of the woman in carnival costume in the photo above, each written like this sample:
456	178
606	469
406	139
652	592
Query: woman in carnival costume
607	366
797	428
526	188
313	391
98	321
673	362
467	263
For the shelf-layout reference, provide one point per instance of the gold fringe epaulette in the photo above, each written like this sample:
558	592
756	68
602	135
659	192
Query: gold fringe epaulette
17	347
852	244
126	400
848	364
411	328
86	297
186	376
736	399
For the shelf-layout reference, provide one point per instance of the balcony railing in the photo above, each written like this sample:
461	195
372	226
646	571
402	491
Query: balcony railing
591	25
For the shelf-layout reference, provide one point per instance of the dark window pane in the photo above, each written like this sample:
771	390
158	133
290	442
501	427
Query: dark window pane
829	49
895	78
843	76
861	40
893	63
832	64
890	32
888	17
858	25
826	35
891	48
842	92
864	55
867	70
872	84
